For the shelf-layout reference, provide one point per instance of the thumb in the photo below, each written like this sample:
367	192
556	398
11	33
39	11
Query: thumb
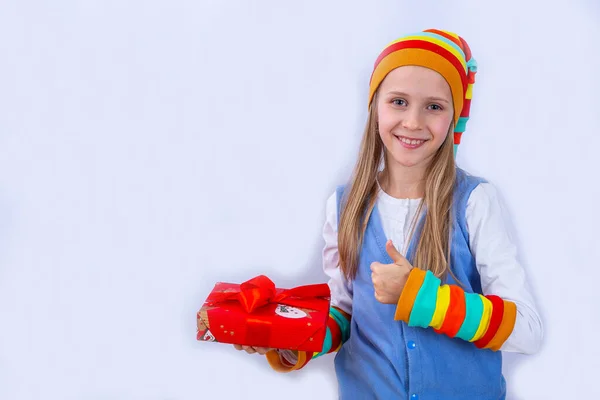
393	253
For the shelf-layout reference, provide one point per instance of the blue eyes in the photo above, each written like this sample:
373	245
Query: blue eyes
402	103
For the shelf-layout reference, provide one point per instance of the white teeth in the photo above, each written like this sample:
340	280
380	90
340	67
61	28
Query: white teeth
413	142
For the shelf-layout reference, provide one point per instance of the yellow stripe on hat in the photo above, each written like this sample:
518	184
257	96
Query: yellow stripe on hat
469	94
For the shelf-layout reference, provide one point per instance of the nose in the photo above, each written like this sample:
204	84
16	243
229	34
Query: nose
412	119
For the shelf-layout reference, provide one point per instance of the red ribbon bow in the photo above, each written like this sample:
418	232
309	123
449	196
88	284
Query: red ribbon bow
260	291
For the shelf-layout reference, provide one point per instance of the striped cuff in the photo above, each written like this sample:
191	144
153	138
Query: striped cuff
487	321
456	312
338	331
441	307
495	320
506	326
409	294
424	305
279	363
474	312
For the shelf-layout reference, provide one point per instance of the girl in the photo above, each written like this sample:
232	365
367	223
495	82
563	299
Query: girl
431	325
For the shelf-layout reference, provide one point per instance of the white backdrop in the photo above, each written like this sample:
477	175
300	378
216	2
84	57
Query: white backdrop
151	148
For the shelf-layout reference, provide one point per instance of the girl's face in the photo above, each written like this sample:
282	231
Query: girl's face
414	111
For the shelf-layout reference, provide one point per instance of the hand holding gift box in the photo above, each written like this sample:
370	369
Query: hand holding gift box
256	313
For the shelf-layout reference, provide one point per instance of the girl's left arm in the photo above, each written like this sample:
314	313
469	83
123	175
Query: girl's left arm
505	316
499	268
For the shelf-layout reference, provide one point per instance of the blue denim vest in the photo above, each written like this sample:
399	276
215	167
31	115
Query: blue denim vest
386	359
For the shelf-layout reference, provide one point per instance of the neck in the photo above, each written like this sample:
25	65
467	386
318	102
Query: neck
403	182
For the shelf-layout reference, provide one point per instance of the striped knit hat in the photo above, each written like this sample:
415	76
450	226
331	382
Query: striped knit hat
442	51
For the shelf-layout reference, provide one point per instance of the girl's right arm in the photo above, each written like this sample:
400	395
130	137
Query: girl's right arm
338	325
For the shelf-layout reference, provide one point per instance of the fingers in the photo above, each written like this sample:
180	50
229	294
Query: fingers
394	253
252	349
375	265
247	349
378	297
383	298
262	350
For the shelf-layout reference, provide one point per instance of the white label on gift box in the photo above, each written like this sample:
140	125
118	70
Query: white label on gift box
208	336
289	312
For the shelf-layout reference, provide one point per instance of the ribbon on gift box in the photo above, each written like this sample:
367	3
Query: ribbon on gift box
261	291
255	295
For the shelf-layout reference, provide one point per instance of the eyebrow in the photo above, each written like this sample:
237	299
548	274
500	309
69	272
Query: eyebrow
431	98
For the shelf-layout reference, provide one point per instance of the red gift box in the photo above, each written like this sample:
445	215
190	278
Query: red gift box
256	313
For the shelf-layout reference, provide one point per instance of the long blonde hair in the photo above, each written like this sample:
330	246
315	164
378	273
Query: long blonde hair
432	251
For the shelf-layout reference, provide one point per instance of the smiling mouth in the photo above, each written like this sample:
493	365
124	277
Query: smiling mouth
410	143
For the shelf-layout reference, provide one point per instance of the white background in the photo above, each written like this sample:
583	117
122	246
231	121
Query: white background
149	149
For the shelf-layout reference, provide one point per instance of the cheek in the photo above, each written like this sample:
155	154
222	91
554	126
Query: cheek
385	121
439	128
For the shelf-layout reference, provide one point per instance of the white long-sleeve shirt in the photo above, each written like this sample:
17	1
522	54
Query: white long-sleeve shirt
491	245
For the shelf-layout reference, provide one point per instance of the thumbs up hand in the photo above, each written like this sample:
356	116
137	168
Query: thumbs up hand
389	279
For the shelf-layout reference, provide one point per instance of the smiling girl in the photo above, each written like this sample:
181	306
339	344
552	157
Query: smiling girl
425	283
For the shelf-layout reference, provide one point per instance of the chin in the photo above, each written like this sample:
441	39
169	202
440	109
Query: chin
409	163
408	160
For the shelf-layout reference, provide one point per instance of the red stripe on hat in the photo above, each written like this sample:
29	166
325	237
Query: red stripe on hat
424	45
457	137
471	77
466	108
444	34
465	48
